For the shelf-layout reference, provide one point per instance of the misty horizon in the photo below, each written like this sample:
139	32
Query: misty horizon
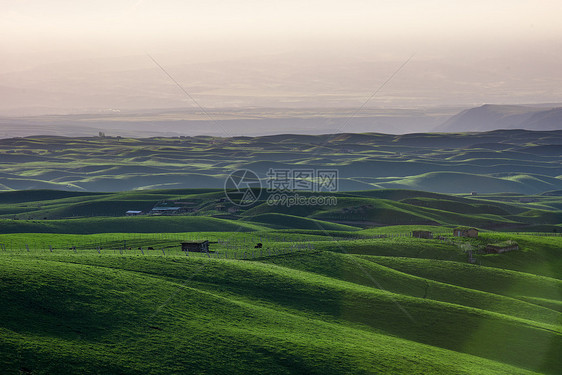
70	59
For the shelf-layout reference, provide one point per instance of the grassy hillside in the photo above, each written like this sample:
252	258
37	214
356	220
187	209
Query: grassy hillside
126	225
78	212
309	311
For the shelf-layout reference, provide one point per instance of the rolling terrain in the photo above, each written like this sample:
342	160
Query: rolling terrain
280	188
54	211
335	289
517	161
346	306
339	287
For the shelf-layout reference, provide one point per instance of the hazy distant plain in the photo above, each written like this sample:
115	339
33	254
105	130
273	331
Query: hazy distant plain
228	122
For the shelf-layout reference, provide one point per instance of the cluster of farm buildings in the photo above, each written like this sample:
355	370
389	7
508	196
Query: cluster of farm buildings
183	207
498	248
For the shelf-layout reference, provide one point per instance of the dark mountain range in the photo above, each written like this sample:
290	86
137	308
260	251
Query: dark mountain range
490	117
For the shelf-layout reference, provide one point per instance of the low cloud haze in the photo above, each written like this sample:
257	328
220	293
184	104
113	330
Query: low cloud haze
78	57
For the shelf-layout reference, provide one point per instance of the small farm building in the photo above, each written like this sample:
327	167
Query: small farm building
465	232
502	247
196	246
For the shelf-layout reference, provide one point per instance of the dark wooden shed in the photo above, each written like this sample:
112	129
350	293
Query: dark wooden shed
196	246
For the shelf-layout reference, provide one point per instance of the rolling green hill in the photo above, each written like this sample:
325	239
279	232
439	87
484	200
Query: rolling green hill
308	311
334	289
80	212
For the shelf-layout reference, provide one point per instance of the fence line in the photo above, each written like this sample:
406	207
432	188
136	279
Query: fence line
232	248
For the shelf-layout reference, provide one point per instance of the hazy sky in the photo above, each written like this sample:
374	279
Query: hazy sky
236	53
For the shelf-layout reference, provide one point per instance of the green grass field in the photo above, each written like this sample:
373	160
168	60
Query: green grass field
317	303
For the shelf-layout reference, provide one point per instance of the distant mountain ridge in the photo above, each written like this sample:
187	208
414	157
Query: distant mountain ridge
490	117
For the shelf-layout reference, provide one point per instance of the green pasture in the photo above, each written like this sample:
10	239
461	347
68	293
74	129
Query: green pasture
306	311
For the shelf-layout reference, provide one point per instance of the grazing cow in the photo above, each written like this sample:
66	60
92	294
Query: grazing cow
150	248
258	245
129	248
